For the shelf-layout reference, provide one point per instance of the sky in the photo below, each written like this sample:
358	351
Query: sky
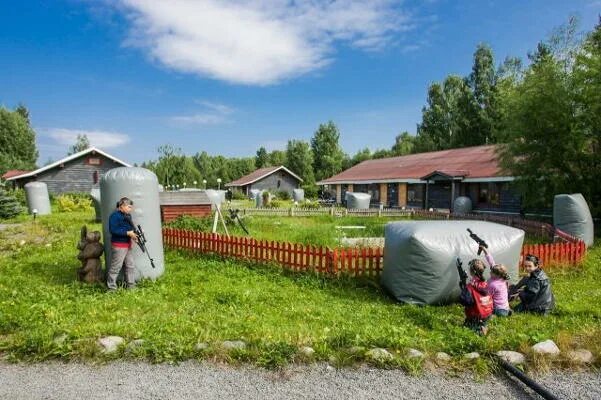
230	76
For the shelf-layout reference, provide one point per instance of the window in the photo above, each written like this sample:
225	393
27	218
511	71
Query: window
489	193
279	183
94	161
95	177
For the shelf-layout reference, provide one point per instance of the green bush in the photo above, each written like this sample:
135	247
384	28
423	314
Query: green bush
309	204
274	204
73	202
282	195
188	222
9	205
238	195
19	194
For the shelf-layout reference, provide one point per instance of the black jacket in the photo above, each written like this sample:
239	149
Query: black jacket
537	295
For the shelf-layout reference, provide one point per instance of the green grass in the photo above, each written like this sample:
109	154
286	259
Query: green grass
209	299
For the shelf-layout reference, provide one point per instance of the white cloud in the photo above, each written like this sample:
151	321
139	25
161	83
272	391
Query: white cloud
101	139
212	114
258	42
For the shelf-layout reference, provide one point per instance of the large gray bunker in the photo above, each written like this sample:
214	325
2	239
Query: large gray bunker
420	257
37	197
141	186
357	200
572	215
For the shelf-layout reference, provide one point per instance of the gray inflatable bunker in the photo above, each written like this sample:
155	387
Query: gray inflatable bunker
95	195
572	215
37	197
298	195
420	257
140	185
462	205
216	197
355	200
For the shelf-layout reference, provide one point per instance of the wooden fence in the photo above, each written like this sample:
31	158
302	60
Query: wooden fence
324	260
293	256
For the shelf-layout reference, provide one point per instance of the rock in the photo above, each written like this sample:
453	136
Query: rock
356	350
110	344
60	339
512	357
548	347
134	344
379	354
201	346
22	242
234	345
412	353
581	356
329	368
48	244
307	351
472	356
444	357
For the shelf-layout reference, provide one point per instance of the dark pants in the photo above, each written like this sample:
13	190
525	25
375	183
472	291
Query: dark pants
499	312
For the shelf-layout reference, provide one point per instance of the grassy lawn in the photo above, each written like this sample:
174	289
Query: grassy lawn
45	313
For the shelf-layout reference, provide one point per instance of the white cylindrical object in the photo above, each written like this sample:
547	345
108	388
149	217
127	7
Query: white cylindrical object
38	198
141	186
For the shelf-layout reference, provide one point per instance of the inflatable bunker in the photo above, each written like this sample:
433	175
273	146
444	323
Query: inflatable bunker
572	215
420	257
357	200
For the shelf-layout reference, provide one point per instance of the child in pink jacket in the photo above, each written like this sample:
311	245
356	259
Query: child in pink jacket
498	286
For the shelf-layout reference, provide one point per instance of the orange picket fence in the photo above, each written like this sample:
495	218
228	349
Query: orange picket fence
324	260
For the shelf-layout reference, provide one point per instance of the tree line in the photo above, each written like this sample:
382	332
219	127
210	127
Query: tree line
544	112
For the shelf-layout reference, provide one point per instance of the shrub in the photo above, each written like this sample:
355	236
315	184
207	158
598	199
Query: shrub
266	198
73	202
238	195
282	195
188	222
19	194
309	204
274	204
9	205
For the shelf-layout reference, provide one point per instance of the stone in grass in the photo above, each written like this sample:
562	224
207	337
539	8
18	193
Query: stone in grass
581	356
201	346
110	344
471	356
413	353
60	339
548	347
307	351
234	345
512	357
356	350
442	356
379	354
329	368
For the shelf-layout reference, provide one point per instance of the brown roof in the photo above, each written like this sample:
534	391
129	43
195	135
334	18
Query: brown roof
13	172
469	162
259	174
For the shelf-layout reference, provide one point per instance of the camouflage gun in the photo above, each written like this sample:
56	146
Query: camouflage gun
462	274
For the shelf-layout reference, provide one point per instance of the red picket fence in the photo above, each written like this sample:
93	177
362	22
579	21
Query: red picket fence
293	256
553	254
323	260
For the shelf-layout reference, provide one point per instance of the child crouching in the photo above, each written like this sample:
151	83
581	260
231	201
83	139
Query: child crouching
476	300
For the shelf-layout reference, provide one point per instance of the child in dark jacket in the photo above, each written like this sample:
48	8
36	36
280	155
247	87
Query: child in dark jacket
533	290
478	303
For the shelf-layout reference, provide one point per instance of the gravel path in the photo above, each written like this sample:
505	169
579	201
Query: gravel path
193	380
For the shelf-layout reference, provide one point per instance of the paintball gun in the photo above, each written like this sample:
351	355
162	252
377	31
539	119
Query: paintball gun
142	243
141	238
462	274
234	216
478	240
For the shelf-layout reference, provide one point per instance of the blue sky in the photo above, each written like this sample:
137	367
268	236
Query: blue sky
229	76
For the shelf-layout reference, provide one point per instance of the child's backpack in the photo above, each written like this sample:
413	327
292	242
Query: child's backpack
482	306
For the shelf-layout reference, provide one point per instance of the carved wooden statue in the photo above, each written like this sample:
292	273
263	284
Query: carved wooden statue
90	250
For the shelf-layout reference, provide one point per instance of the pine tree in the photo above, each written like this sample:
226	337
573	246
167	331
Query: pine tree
9	205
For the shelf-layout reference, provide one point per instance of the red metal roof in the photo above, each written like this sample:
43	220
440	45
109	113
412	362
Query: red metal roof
258	174
13	172
471	162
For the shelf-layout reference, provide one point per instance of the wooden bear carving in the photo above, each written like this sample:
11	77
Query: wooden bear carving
90	250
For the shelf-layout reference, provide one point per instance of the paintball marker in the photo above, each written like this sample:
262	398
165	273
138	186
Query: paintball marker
462	274
478	240
142	243
234	216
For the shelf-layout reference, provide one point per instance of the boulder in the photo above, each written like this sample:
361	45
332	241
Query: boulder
581	356
472	356
413	353
234	345
201	346
444	357
379	354
548	347
307	351
512	357
110	344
